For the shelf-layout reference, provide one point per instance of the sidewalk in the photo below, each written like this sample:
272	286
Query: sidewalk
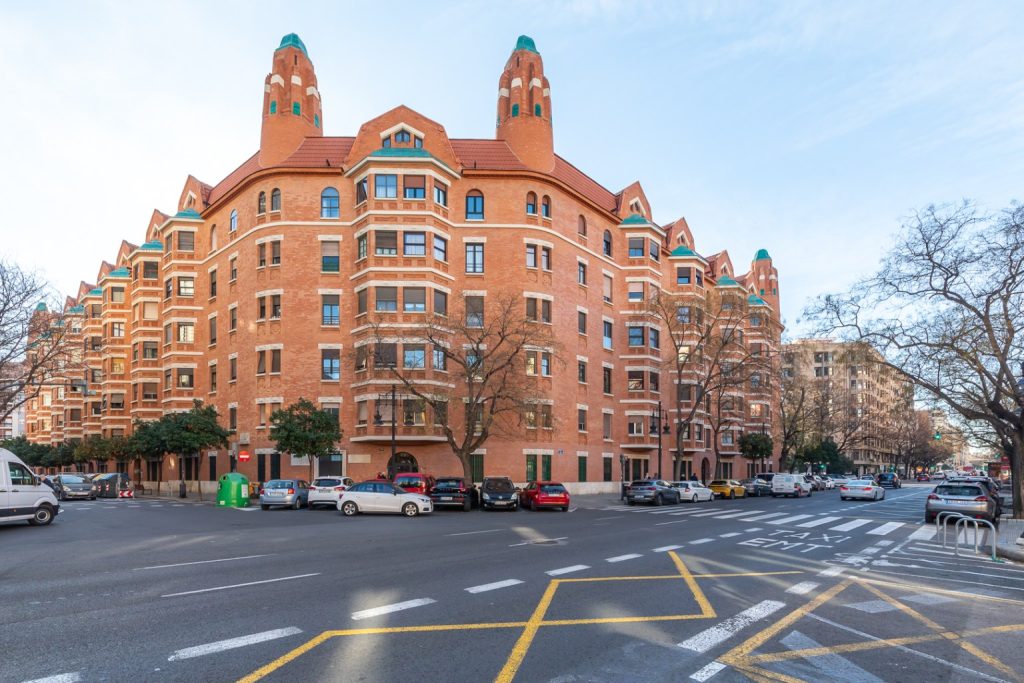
1010	531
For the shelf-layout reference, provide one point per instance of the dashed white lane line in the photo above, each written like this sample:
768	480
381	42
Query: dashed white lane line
388	609
185	564
925	533
850	526
675	521
709	638
817	522
752	529
802	588
729	535
760	517
623	558
489	531
567	570
493	586
233	643
885	529
73	677
832	571
787	520
701	540
239	585
666	548
707	672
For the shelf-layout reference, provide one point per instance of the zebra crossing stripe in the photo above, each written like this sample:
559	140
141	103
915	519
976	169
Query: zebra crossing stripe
739	514
885	529
787	520
925	533
817	522
760	517
850	526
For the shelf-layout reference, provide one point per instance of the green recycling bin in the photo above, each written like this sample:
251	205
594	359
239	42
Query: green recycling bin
233	491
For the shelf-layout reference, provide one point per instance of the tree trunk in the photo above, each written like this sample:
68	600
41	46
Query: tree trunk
1017	475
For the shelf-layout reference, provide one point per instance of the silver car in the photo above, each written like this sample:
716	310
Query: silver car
70	486
289	493
653	491
970	499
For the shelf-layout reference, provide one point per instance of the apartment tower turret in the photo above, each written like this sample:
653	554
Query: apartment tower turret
291	103
524	107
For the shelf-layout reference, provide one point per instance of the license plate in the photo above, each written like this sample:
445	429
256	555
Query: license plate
446	498
958	502
277	493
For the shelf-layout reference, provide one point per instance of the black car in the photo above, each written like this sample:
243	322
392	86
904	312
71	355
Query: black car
889	480
653	491
112	485
453	492
757	487
498	493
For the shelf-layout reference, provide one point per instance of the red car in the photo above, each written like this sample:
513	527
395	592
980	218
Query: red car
544	494
415	482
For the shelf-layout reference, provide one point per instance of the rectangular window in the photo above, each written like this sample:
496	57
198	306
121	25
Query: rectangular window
635	426
606	380
655	250
275	306
150	310
385	186
213	283
538	309
581	419
654	337
362	412
440	248
682	276
414	357
149	270
545	258
414	244
233	269
385	355
213	330
185	378
361	247
168	333
117	295
232	319
385	243
474	311
606	338
440	193
546	420
581	371
440	302
186	333
149	391
606	426
414	186
386	299
261	362
475	257
606	473
655	381
186	241
275	253
186	286
330	364
414	299
581	273
634	380
440	358
330	309
149	350
581	322
275	361
329	257
414	412
213	378
531	255
362	190
361	297
233	368
635	335
475	207
261	255
636	247
607	289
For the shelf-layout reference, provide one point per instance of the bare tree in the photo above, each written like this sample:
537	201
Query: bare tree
711	361
491	353
32	335
946	309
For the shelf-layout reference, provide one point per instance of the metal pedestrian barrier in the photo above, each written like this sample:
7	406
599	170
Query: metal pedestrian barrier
977	532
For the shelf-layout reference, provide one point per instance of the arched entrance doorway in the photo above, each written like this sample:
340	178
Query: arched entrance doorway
402	462
705	471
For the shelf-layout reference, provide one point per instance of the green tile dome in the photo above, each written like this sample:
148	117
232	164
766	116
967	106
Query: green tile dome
187	213
762	255
526	43
95	291
755	300
401	152
293	40
634	219
41	306
726	281
683	250
154	245
120	272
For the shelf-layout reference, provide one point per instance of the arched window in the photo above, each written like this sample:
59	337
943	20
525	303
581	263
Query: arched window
275	199
475	205
515	110
531	204
607	246
261	203
234	220
402	136
536	110
273	106
581	226
545	206
213	237
329	203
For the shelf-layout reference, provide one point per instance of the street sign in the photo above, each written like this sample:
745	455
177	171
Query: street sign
243	456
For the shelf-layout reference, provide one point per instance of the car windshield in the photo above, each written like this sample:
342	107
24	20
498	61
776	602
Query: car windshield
72	479
408	481
642	482
948	490
681	484
326	482
278	484
448	483
499	485
719	482
553	488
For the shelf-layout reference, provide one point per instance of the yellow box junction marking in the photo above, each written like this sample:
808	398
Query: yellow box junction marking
534	623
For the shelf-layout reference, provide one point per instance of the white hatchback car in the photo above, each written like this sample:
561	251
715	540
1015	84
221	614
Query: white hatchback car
328	490
382	496
861	489
790	485
692	491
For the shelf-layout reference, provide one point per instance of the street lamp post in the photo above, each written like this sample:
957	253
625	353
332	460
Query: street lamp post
658	420
378	420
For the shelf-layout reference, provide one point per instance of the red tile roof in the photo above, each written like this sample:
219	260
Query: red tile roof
248	167
318	152
490	155
584	184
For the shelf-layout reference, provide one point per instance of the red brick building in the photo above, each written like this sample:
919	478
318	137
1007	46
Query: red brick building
256	291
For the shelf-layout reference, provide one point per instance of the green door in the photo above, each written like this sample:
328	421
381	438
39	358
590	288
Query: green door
581	468
546	467
531	467
476	466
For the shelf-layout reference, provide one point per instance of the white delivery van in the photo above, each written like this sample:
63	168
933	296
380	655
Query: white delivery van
22	496
790	485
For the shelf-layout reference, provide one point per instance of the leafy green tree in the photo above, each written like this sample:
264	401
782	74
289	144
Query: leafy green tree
756	446
147	442
302	429
188	434
94	448
32	453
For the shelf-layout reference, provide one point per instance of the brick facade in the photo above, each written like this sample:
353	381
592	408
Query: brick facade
240	274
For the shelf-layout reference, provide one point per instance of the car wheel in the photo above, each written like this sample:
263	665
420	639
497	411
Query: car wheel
43	516
929	519
297	504
467	504
694	499
883	495
264	507
565	508
631	502
349	509
92	497
731	494
410	510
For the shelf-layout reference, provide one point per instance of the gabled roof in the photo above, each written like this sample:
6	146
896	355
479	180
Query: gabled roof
248	167
584	184
489	155
323	152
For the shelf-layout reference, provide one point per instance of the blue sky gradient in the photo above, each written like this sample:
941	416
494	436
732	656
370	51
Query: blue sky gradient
809	129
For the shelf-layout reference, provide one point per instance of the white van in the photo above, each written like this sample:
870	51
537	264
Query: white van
22	496
790	485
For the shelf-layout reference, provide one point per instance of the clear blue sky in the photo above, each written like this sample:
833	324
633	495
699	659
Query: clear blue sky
809	129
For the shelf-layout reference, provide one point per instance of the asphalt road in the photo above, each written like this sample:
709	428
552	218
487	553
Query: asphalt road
810	589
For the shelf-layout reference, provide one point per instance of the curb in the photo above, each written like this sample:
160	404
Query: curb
1010	552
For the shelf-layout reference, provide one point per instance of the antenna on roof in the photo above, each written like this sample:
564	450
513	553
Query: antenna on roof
327	161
